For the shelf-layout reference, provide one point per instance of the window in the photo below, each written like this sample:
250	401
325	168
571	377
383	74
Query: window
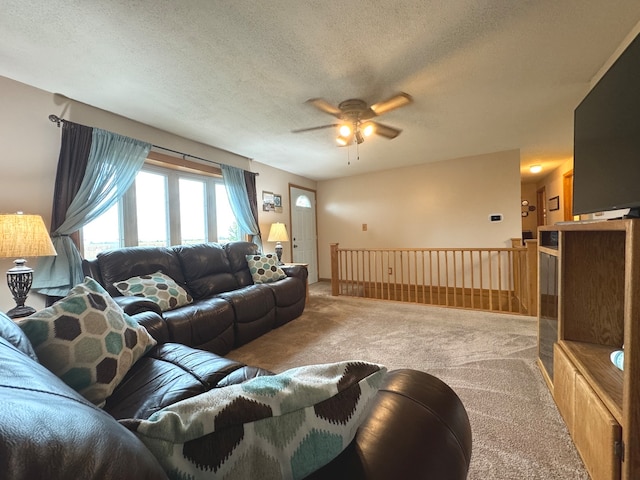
192	209
151	209
164	207
303	202
103	233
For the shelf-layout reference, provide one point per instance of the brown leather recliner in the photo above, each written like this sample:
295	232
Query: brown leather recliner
228	310
416	428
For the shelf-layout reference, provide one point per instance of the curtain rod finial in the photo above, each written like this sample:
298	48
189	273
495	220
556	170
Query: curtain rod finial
55	118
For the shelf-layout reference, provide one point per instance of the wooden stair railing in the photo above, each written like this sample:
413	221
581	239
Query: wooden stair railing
492	279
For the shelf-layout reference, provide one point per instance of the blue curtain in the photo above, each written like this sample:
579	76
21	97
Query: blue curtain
234	182
112	166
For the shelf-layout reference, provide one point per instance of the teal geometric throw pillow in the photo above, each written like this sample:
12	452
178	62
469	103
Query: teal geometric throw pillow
264	268
282	426
157	287
87	340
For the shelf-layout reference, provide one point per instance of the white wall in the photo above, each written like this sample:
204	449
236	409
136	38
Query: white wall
442	204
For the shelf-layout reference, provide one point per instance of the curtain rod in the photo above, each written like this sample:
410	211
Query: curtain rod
57	120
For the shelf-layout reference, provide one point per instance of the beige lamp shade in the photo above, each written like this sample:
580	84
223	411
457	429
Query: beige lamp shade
278	233
24	236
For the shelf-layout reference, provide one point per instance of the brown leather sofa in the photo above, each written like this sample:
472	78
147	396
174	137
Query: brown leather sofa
228	309
417	426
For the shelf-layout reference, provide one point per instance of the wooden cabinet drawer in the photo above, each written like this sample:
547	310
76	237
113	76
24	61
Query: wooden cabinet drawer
595	433
564	374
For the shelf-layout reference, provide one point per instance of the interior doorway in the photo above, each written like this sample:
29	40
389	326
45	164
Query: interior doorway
304	235
541	200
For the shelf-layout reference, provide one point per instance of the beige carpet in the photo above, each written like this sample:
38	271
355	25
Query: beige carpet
488	359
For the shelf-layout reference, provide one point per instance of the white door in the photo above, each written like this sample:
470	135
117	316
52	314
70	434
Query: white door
304	242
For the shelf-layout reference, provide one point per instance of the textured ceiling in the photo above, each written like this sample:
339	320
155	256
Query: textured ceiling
486	75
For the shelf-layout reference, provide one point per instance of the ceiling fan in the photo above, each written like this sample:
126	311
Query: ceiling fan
355	117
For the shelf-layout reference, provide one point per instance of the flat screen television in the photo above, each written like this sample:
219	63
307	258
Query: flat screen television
606	156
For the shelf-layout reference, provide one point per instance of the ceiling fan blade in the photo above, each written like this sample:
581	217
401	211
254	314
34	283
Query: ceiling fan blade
323	105
397	101
386	131
300	130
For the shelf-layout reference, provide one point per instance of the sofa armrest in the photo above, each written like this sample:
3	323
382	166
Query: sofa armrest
417	428
133	305
90	269
297	271
47	430
155	325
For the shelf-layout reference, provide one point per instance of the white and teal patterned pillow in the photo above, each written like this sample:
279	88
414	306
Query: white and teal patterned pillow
87	340
157	287
264	268
283	426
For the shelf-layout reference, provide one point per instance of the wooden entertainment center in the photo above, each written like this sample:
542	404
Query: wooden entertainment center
589	306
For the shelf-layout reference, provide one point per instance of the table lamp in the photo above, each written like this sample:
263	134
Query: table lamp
278	233
23	236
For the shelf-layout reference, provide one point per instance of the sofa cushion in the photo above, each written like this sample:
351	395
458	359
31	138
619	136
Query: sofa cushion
123	263
237	254
87	340
207	270
290	297
207	324
172	372
157	287
255	312
264	268
281	426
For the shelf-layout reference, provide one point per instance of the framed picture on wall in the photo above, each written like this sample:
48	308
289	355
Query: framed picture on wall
554	203
277	203
268	201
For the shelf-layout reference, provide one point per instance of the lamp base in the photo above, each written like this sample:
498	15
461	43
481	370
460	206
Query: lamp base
21	311
279	253
19	279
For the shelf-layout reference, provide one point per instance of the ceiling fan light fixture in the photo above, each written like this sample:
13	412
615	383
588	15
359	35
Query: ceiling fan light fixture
368	129
342	140
345	130
354	116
